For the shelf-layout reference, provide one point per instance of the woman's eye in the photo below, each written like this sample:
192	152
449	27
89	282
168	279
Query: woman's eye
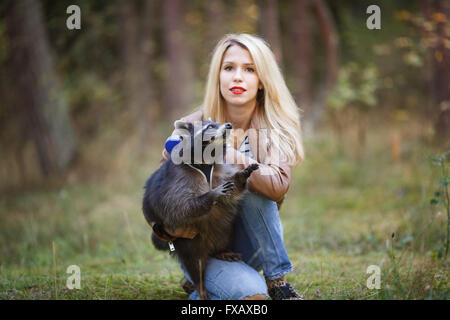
250	69
228	68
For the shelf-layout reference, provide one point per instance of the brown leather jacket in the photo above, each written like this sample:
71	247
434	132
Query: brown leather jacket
274	176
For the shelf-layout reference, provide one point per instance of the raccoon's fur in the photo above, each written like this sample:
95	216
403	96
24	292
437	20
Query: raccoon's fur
180	196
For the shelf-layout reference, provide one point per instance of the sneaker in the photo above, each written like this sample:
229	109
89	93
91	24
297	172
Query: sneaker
284	291
187	286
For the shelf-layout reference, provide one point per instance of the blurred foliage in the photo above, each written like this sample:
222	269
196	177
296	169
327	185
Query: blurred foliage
385	76
339	212
441	198
383	68
356	87
338	218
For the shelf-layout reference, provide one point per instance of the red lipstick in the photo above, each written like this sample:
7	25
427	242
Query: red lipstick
237	90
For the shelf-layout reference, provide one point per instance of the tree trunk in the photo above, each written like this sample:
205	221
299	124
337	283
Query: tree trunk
148	41
312	101
441	54
136	45
179	89
302	54
215	22
269	26
40	96
330	43
438	66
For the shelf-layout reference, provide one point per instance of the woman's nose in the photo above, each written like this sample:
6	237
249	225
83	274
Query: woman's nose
238	74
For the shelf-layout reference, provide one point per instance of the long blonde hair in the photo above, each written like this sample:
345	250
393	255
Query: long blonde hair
277	107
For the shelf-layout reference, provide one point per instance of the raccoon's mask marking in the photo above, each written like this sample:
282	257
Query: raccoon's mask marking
209	133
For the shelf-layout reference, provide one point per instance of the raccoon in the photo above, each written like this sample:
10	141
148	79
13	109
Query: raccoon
201	195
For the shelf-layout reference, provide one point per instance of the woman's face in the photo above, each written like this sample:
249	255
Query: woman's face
239	82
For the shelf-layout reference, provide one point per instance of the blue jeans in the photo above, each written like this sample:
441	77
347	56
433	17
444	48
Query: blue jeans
259	238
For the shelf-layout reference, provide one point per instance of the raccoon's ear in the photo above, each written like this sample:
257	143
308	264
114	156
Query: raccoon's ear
179	124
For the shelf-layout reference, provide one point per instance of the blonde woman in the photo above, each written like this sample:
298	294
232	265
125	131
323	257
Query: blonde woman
245	87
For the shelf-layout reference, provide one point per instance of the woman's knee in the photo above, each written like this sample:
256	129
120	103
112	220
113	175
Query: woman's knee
250	287
233	280
249	292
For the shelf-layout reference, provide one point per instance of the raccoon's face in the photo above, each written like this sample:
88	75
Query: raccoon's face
206	137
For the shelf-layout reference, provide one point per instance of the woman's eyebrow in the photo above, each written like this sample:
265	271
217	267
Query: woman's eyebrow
245	64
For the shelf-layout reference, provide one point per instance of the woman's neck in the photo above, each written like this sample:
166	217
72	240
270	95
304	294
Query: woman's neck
239	116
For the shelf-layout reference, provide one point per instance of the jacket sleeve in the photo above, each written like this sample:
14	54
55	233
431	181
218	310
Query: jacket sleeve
272	179
274	183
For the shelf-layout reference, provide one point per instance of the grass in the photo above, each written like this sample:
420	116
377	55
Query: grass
342	214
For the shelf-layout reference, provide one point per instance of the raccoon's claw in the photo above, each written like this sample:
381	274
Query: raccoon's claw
225	189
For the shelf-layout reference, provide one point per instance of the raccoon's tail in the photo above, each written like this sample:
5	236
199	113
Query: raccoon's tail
159	244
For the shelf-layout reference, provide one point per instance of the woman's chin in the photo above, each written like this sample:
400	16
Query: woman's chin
237	102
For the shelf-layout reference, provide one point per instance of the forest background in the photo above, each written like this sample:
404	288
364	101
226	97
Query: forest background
84	114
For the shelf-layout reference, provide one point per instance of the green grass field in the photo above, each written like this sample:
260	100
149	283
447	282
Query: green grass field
342	214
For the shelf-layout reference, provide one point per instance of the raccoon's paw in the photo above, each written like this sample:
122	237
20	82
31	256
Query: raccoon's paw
240	178
248	171
228	256
251	168
225	189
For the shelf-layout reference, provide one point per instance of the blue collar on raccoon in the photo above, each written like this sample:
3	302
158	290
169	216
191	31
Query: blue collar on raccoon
205	169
